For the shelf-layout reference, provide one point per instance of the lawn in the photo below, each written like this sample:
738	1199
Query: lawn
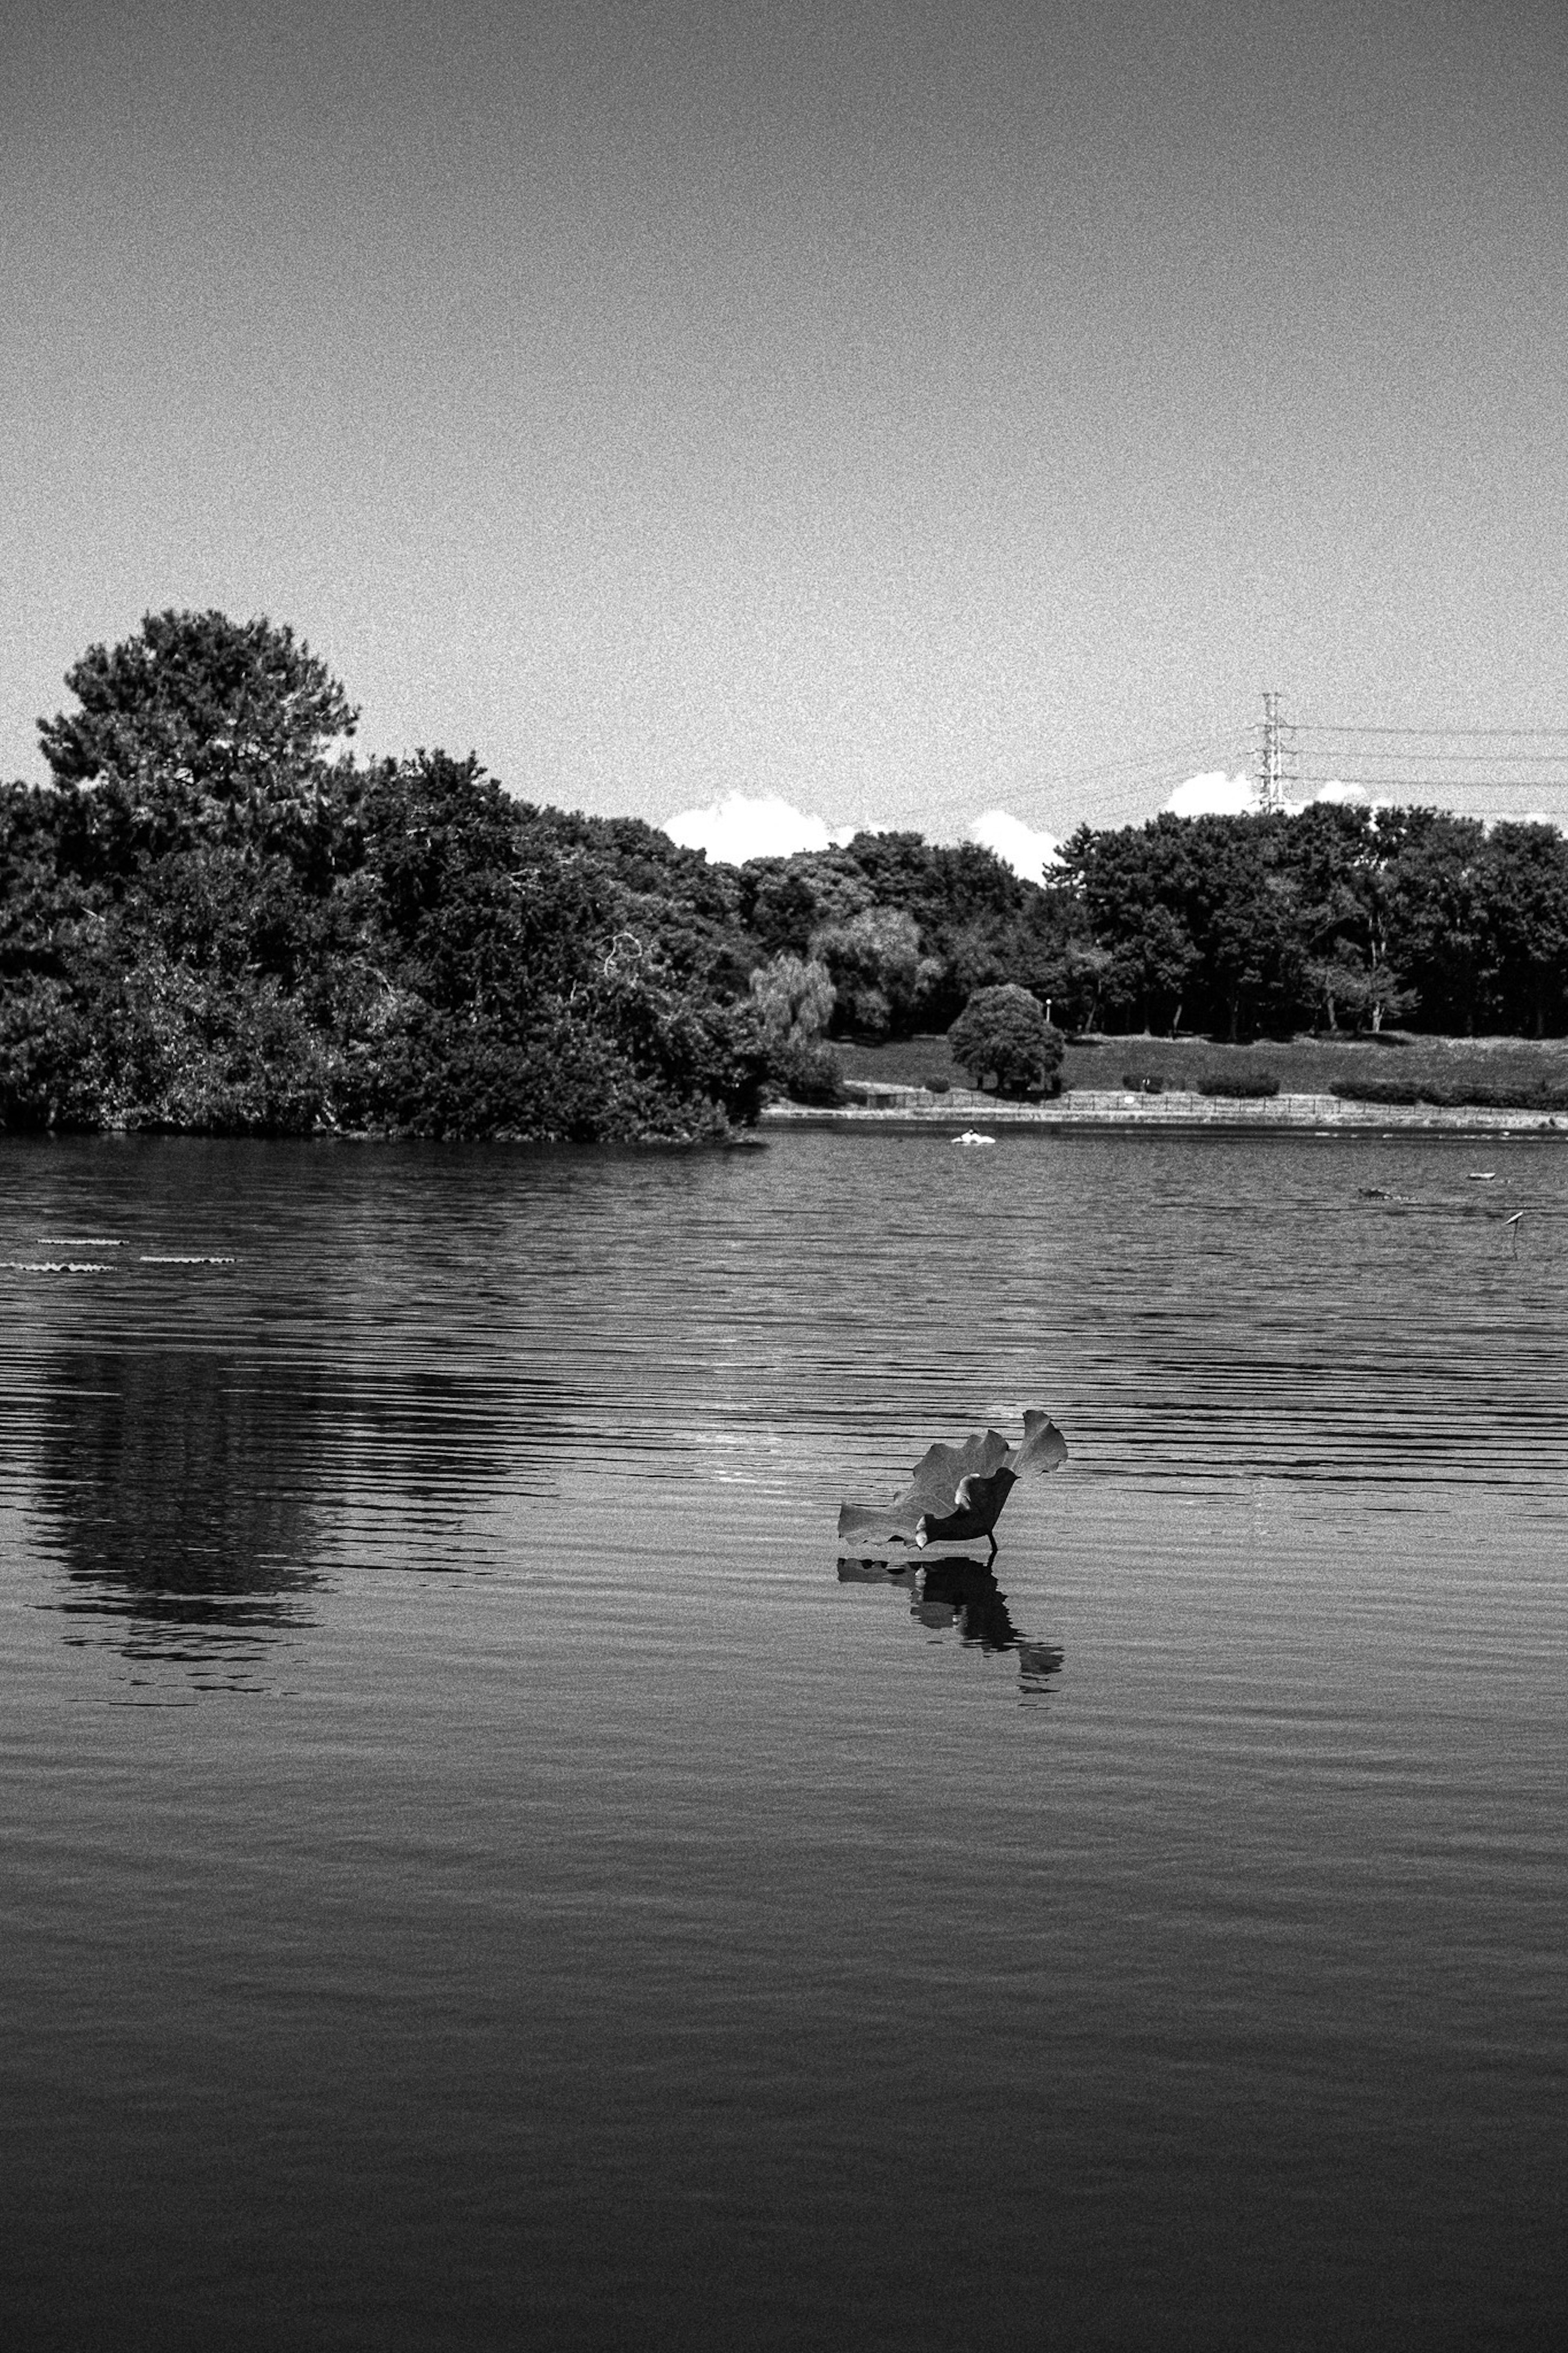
1303	1065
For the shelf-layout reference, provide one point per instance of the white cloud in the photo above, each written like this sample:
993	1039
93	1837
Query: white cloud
1017	845
1214	795
1218	795
736	828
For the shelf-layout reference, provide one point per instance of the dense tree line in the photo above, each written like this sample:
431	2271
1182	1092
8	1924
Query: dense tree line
1336	917
214	918
207	923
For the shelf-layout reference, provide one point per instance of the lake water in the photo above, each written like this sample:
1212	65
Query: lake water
478	1876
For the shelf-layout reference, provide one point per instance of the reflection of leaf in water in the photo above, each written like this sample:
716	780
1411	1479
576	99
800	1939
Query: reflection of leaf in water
961	1593
1037	1662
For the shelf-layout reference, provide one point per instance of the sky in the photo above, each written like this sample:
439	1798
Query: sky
911	414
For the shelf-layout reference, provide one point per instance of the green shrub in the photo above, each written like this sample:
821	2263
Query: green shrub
937	1086
807	1071
1457	1094
1243	1086
1144	1083
1378	1090
1526	1095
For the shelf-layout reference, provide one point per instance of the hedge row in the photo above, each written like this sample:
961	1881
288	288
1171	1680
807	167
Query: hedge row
1243	1086
1473	1094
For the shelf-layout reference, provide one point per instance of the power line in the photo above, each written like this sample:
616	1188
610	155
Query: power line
1420	758
1358	727
1444	785
1170	772
1461	758
1117	778
1289	757
1154	764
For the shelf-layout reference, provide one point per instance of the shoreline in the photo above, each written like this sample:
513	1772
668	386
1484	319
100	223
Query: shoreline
1120	1109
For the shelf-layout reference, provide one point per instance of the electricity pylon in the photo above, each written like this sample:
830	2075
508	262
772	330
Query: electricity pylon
1271	775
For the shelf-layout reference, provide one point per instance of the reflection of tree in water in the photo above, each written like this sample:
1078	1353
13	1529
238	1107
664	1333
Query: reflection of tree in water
963	1594
195	1500
420	1449
369	1383
180	1490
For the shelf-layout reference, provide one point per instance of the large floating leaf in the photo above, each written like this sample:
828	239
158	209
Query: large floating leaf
958	1492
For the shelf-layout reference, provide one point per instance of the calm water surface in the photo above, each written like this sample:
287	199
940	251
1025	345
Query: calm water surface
478	1875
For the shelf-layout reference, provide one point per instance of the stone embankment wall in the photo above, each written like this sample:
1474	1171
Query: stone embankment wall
1107	1107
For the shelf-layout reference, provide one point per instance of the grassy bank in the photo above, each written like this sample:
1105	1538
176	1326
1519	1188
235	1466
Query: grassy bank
1304	1065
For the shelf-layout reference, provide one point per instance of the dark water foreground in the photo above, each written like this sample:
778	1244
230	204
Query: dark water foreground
477	1874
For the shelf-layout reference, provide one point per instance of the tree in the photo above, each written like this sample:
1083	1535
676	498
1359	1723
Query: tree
1198	917
403	947
1436	924
877	972
1367	995
783	901
1004	1029
946	888
233	704
795	1000
1142	890
1240	920
523	990
794	997
1523	895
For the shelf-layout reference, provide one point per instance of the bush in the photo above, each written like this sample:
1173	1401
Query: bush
807	1071
1378	1090
1475	1094
1144	1083
1525	1095
1004	1029
936	1086
1243	1086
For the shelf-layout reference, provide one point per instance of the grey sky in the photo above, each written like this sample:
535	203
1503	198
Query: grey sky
905	410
